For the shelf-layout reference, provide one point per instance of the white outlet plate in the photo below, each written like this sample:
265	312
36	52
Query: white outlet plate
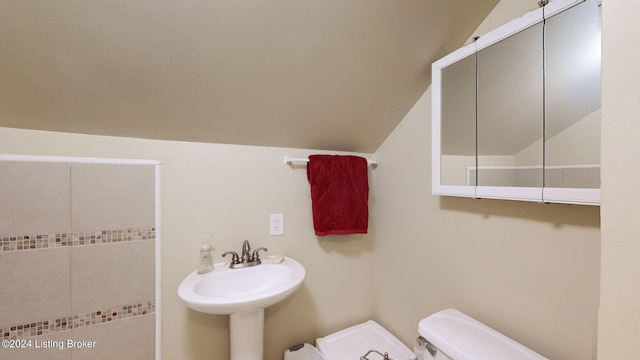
277	224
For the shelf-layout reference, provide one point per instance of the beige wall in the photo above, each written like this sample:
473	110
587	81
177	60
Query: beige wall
229	191
530	271
619	320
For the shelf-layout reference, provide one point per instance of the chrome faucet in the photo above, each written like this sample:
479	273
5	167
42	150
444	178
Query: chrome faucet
246	259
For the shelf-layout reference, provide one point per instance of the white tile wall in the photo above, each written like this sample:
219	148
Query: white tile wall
93	284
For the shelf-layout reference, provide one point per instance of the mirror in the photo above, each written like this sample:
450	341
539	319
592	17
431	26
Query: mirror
516	115
572	139
510	104
458	134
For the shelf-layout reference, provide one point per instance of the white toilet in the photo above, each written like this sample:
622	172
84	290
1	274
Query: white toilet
445	335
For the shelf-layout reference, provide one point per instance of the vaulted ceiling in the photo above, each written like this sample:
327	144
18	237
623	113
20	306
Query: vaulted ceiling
320	74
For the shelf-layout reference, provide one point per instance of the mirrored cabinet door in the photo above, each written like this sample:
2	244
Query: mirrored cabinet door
572	113
510	113
454	140
458	134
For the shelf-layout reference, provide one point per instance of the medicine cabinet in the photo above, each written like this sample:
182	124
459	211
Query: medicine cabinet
516	113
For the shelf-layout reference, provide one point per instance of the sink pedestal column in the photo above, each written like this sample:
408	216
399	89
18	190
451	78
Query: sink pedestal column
246	333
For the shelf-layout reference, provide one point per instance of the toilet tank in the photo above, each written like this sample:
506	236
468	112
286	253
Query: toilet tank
460	337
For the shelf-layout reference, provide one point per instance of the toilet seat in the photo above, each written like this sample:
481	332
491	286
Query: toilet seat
353	342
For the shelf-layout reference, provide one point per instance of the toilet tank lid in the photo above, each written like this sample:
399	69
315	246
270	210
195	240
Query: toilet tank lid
463	338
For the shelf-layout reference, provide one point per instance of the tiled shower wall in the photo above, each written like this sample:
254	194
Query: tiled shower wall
77	260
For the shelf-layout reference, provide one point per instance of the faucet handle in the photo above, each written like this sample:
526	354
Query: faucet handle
256	254
235	259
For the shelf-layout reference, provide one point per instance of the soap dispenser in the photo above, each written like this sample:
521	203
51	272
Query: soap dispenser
206	264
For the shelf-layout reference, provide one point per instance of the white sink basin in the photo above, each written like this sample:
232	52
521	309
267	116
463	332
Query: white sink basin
228	291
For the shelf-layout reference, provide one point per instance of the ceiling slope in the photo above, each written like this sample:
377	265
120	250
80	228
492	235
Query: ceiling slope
323	74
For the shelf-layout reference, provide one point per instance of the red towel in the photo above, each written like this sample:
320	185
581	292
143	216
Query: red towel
339	194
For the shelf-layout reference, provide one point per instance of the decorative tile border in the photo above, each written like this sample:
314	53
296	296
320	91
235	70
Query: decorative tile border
43	241
44	327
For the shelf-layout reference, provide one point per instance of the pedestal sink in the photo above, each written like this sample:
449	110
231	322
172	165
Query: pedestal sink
243	294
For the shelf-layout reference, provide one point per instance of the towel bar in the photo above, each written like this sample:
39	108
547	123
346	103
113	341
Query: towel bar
288	160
